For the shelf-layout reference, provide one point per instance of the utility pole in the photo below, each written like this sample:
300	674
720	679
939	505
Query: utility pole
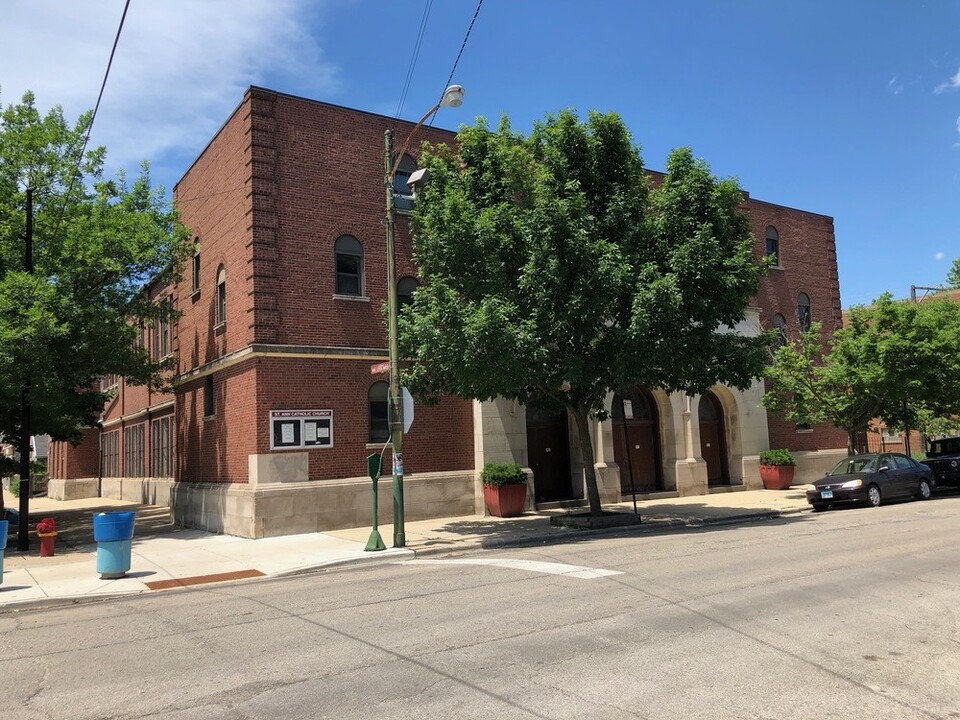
23	526
394	401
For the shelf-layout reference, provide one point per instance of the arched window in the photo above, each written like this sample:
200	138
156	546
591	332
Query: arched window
402	175
349	262
406	287
221	295
379	427
402	192
780	325
803	311
773	244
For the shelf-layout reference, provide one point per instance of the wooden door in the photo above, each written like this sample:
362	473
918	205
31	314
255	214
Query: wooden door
642	460
713	446
549	451
636	441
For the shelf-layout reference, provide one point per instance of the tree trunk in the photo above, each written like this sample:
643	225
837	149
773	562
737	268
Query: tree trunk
582	418
851	442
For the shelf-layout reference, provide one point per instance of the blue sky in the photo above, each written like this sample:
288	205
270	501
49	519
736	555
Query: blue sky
847	109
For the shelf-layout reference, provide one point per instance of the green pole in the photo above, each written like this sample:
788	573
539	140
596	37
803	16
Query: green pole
394	401
375	542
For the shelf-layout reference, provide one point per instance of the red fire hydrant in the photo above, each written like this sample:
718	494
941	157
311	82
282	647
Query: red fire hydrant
47	532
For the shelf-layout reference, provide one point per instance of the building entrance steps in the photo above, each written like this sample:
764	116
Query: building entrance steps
165	556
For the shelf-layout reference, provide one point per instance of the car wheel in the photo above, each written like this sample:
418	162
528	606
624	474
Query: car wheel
873	496
924	491
820	507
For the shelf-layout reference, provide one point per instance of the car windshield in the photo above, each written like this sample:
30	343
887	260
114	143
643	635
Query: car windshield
854	465
950	446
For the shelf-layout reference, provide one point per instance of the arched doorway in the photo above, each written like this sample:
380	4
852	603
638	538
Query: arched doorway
548	445
713	444
636	440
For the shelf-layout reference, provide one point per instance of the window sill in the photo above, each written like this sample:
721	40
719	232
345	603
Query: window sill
220	328
208	418
195	295
777	267
801	431
378	446
352	298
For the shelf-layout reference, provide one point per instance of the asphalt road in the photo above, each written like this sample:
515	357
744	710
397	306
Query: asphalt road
847	614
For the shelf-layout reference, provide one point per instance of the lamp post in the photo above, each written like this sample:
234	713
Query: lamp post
452	97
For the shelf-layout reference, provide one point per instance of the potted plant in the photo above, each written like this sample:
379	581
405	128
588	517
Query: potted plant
504	489
776	469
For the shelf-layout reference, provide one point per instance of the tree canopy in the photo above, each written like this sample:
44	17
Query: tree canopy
555	271
953	274
896	361
96	243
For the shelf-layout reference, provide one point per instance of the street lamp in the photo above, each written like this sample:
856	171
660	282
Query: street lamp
452	97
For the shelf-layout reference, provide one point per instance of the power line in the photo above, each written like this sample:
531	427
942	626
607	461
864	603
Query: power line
103	85
459	55
415	56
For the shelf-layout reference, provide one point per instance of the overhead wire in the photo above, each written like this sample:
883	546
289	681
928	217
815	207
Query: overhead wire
93	117
459	55
414	56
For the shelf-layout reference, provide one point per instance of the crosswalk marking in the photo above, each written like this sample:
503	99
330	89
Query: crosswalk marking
549	568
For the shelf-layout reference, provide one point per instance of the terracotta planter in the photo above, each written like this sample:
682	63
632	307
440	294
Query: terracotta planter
777	477
505	500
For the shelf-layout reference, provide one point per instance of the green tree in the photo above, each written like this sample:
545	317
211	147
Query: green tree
953	274
96	242
554	273
895	361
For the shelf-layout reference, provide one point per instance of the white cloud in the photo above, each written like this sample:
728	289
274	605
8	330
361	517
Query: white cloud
180	68
938	256
895	86
951	84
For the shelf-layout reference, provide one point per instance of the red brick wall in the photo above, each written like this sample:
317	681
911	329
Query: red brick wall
215	201
441	437
216	449
808	259
321	172
66	462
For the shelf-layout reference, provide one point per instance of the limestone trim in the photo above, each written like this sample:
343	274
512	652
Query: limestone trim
166	405
259	350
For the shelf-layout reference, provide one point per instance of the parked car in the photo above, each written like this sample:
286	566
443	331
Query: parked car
870	479
943	458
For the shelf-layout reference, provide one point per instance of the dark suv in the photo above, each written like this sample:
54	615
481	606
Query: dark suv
943	458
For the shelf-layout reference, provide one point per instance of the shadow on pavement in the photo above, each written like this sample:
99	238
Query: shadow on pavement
75	527
663	519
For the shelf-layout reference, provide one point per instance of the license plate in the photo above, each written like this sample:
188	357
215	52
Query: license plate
826	494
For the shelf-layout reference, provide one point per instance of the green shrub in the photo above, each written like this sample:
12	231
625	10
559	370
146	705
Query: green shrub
776	457
497	474
15	486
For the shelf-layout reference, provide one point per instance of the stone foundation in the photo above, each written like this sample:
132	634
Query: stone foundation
73	489
269	510
813	465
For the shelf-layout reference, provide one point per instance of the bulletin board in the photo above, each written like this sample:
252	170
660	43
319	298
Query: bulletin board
299	429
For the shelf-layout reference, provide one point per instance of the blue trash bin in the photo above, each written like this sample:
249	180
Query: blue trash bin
4	527
113	533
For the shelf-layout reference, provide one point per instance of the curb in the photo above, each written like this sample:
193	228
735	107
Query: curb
562	535
554	536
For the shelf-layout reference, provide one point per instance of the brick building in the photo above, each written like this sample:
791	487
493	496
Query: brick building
274	406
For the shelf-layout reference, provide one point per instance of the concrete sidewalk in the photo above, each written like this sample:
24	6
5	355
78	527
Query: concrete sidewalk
165	556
